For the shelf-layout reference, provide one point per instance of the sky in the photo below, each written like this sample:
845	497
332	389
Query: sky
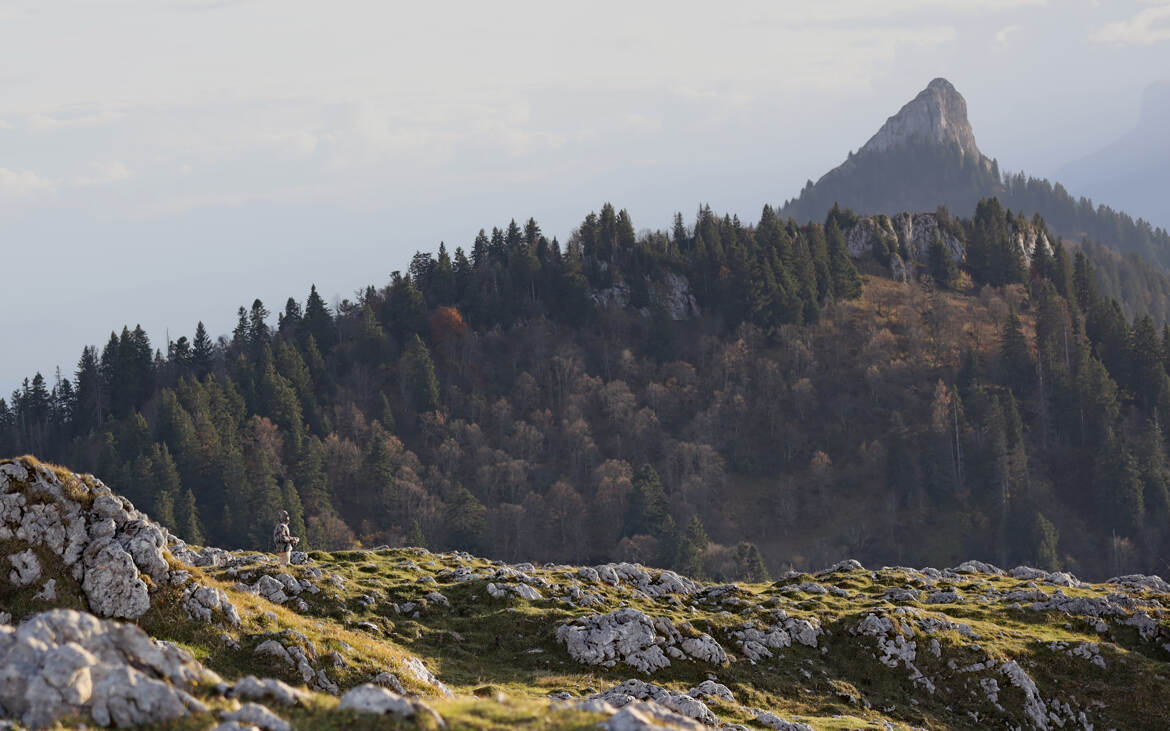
164	161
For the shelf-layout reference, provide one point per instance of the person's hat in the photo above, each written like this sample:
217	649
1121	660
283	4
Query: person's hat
283	514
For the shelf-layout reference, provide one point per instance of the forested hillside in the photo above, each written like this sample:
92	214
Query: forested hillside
722	398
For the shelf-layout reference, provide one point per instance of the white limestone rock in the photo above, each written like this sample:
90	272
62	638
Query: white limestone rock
48	592
272	690
271	589
636	577
374	699
420	672
257	715
64	662
111	584
631	637
636	690
390	681
649	716
944	597
771	720
711	689
978	567
1034	706
209	603
26	568
1141	582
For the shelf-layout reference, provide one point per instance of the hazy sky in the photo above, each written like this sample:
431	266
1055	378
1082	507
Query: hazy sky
164	161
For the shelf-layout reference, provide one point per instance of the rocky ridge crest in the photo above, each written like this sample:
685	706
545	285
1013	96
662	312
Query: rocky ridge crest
946	647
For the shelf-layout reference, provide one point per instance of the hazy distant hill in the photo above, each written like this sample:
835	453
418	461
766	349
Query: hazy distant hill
1133	171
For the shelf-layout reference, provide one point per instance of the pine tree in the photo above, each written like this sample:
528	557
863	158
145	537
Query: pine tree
846	280
694	544
420	385
1119	488
202	352
669	544
749	563
1015	357
91	397
1045	539
414	536
465	518
165	488
318	322
941	266
648	506
187	523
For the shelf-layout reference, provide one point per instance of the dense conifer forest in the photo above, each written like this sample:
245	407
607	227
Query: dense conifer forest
724	398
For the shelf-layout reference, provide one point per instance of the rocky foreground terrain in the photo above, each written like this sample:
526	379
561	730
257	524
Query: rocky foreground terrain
107	619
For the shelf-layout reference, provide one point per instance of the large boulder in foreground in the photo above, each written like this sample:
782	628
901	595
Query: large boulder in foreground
68	663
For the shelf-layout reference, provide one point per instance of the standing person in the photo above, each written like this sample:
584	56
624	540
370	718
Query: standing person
282	540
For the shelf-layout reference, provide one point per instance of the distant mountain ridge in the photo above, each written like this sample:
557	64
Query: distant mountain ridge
1134	170
925	156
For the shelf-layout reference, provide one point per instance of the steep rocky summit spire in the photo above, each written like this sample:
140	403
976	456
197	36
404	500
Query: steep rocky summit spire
938	116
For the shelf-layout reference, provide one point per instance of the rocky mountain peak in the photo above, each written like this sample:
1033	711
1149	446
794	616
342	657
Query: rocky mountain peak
937	116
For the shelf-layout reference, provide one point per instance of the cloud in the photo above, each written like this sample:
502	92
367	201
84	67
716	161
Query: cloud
1148	27
72	120
23	185
102	173
1002	36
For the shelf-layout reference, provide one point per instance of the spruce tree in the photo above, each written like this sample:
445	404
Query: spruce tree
1015	357
414	536
420	385
1045	539
1119	488
187	523
318	322
846	280
465	518
648	506
749	563
694	544
941	266
202	352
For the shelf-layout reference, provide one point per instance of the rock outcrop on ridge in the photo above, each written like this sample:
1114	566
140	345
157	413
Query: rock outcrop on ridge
112	553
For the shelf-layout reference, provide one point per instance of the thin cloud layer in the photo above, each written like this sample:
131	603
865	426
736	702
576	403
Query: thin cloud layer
1147	27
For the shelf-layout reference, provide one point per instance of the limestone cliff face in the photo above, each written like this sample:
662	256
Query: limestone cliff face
911	234
937	116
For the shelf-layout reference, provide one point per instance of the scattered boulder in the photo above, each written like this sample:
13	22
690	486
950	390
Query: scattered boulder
252	688
64	662
370	698
649	716
771	720
637	690
254	714
631	637
416	668
711	689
